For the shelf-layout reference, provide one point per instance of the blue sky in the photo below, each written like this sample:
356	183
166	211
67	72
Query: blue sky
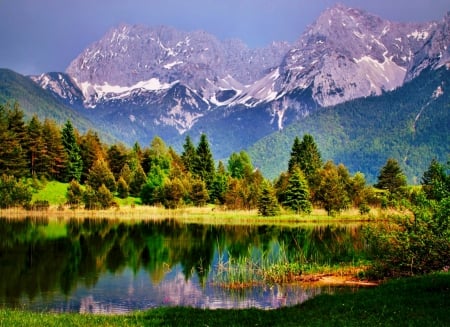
39	36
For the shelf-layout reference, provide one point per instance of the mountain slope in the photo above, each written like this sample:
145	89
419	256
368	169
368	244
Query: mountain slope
409	124
33	100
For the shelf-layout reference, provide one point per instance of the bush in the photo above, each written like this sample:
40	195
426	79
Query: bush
412	245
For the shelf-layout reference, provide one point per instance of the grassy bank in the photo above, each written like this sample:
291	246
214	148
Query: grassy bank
418	301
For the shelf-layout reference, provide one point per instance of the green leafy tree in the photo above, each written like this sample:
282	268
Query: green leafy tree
240	165
436	181
392	179
267	201
306	156
74	167
332	192
152	191
297	193
13	192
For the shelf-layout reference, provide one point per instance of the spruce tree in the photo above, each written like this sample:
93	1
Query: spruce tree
74	166
55	157
392	178
204	164
189	155
267	201
297	193
100	174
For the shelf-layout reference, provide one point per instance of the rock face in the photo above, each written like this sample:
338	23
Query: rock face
161	81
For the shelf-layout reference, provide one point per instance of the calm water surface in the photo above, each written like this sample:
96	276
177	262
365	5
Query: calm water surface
105	266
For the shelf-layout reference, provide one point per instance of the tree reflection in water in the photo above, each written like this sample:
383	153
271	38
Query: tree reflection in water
104	265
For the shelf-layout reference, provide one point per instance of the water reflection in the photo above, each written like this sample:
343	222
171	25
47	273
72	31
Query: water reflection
112	266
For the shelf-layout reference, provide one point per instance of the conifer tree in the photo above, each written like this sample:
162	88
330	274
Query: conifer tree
36	148
122	188
267	201
100	174
189	155
392	178
74	194
297	193
74	166
204	164
55	157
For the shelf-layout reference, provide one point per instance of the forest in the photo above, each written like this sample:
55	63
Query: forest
34	152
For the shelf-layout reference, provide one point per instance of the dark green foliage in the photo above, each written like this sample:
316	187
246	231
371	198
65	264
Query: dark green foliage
436	181
13	160
152	191
104	197
13	192
297	193
240	165
204	164
122	188
99	175
199	193
173	193
138	179
392	179
306	156
74	194
74	166
219	185
189	155
267	202
364	133
333	190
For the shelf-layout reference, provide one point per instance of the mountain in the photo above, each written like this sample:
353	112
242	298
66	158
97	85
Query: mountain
139	82
410	124
34	100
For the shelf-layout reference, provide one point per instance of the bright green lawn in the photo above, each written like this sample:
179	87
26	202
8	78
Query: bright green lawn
420	301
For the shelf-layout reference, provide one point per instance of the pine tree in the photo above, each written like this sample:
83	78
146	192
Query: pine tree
13	159
204	164
91	150
306	156
267	202
199	193
55	157
138	180
74	166
436	182
392	178
189	155
100	174
297	193
36	148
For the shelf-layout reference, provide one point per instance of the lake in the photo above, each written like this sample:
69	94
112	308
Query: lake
114	266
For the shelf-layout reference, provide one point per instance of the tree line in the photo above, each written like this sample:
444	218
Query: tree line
39	151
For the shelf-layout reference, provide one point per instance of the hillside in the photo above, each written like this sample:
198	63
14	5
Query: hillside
34	100
410	124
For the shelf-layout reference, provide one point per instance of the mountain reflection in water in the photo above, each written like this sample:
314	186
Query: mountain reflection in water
104	266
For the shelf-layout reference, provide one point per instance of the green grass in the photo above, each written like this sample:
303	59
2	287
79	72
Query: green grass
418	301
54	192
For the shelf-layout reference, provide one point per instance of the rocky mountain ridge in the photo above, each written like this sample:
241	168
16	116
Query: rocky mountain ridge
143	81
